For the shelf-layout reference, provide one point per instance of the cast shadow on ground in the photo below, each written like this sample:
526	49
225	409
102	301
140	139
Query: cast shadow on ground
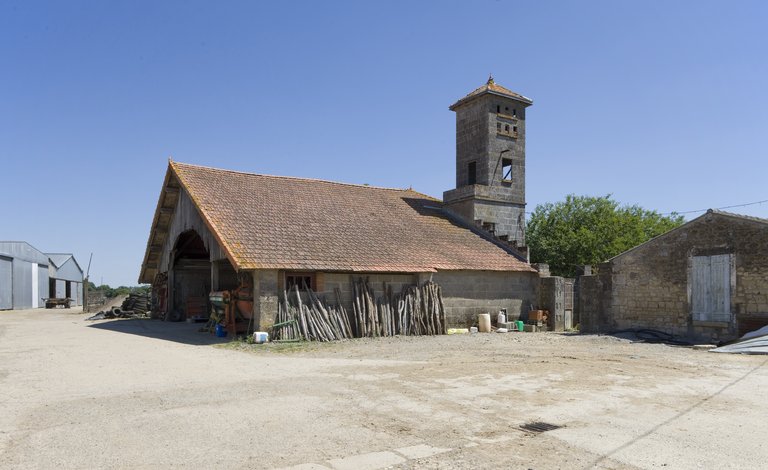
186	333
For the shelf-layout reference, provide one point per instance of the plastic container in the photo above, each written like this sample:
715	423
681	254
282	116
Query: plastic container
221	330
484	322
502	330
260	337
457	331
473	329
501	318
520	325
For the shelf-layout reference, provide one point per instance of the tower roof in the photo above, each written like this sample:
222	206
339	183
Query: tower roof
492	88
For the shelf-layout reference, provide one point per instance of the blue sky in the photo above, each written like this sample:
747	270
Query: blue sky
662	104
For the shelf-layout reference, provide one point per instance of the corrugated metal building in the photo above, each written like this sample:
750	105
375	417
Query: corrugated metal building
65	277
23	276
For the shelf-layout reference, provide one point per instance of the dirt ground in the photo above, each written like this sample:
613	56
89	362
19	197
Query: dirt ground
148	394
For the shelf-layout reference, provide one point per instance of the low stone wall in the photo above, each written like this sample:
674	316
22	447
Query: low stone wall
469	293
465	293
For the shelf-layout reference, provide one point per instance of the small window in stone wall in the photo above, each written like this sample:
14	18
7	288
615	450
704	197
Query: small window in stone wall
498	126
514	129
472	173
506	169
498	108
302	280
514	112
506	127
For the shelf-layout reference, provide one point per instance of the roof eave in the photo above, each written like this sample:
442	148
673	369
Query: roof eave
467	99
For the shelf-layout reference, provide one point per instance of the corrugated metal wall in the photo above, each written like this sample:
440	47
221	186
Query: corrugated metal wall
61	289
22	284
6	283
68	271
23	251
42	283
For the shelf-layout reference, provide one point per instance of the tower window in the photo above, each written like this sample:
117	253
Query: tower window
506	108
506	128
514	112
498	108
472	173
506	169
498	126
514	129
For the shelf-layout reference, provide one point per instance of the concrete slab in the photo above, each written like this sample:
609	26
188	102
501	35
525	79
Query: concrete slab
370	461
421	451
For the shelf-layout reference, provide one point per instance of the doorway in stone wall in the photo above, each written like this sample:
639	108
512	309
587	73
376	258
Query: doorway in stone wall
711	288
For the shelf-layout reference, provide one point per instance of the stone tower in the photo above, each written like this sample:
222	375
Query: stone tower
490	161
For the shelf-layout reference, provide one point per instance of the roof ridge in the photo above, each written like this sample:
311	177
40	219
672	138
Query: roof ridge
301	178
738	216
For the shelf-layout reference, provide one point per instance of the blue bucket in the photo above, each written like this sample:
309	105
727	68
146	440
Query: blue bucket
221	331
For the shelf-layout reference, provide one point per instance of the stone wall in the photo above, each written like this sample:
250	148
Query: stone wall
650	286
465	293
468	293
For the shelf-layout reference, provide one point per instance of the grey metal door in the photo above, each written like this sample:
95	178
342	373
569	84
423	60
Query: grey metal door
6	284
711	288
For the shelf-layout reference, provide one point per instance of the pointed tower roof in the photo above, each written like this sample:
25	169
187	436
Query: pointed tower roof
492	88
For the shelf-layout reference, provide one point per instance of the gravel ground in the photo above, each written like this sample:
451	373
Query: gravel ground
148	394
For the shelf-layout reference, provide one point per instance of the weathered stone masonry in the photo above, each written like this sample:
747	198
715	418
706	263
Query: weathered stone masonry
650	285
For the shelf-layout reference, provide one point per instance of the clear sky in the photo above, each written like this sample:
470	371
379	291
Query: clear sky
662	104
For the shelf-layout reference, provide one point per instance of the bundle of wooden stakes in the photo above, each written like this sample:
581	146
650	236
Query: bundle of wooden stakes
414	311
312	320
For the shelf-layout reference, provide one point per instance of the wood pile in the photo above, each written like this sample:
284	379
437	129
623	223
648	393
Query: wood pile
414	311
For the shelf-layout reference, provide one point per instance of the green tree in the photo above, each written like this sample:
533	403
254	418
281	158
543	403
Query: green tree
589	230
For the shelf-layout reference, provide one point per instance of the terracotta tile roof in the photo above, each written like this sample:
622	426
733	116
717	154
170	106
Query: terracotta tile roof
494	88
272	222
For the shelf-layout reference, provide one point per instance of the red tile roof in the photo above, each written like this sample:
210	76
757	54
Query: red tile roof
272	222
492	87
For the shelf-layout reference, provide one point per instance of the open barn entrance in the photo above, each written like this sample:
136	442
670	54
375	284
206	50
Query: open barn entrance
191	277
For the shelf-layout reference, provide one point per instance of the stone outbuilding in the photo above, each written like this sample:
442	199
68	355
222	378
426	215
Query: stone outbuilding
705	280
220	230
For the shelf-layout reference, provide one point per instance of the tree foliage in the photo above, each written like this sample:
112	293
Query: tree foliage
589	230
110	292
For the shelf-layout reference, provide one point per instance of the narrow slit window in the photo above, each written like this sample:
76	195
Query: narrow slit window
498	108
506	169
506	127
514	112
472	173
514	129
498	126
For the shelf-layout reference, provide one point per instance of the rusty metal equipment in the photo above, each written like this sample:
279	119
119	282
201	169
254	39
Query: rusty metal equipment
233	308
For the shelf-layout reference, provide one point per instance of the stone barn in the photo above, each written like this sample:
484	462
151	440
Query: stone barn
706	280
216	229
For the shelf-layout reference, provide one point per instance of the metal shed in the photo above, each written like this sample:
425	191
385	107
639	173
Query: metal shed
23	276
66	277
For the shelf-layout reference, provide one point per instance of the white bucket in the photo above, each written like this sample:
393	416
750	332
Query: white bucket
260	337
501	318
484	322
